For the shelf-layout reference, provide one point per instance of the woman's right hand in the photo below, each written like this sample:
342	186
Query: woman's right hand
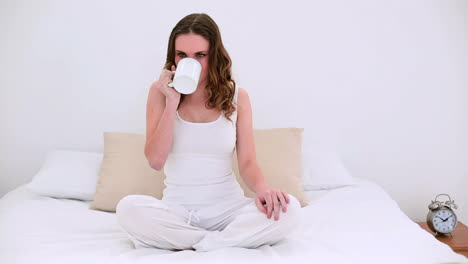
170	93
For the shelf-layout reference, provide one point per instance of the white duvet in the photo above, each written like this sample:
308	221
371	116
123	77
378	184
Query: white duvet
354	224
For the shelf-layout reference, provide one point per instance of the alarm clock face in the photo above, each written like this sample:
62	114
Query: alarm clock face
444	221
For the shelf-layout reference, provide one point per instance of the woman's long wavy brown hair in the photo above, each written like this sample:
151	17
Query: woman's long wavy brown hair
220	85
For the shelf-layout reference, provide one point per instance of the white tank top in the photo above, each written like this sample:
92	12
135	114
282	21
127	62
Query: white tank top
199	166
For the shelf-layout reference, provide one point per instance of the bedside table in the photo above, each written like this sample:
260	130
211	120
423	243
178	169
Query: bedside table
459	241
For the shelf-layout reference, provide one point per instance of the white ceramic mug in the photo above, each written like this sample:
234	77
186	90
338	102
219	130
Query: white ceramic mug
186	76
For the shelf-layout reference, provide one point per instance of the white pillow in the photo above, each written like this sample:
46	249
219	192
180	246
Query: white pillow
322	167
68	174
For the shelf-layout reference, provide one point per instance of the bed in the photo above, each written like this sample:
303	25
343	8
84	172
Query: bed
360	223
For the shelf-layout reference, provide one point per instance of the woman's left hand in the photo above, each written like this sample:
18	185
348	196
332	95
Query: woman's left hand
269	201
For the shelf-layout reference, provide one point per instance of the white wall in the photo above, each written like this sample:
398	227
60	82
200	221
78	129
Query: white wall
385	82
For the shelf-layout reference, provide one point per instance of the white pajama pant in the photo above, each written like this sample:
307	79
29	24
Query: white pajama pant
151	222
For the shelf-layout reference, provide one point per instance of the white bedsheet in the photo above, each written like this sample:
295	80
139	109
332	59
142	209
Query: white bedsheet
354	224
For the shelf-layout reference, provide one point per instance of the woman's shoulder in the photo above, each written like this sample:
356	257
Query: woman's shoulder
243	99
242	94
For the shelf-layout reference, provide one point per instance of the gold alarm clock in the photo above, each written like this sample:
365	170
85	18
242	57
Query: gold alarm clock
441	218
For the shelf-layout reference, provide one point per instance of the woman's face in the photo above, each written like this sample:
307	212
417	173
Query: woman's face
193	46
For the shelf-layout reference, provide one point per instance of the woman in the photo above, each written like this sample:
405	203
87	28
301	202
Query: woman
192	137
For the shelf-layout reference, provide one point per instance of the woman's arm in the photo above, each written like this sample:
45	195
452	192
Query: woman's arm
248	167
160	115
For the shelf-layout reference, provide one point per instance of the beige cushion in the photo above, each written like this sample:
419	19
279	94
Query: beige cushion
279	156
125	169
